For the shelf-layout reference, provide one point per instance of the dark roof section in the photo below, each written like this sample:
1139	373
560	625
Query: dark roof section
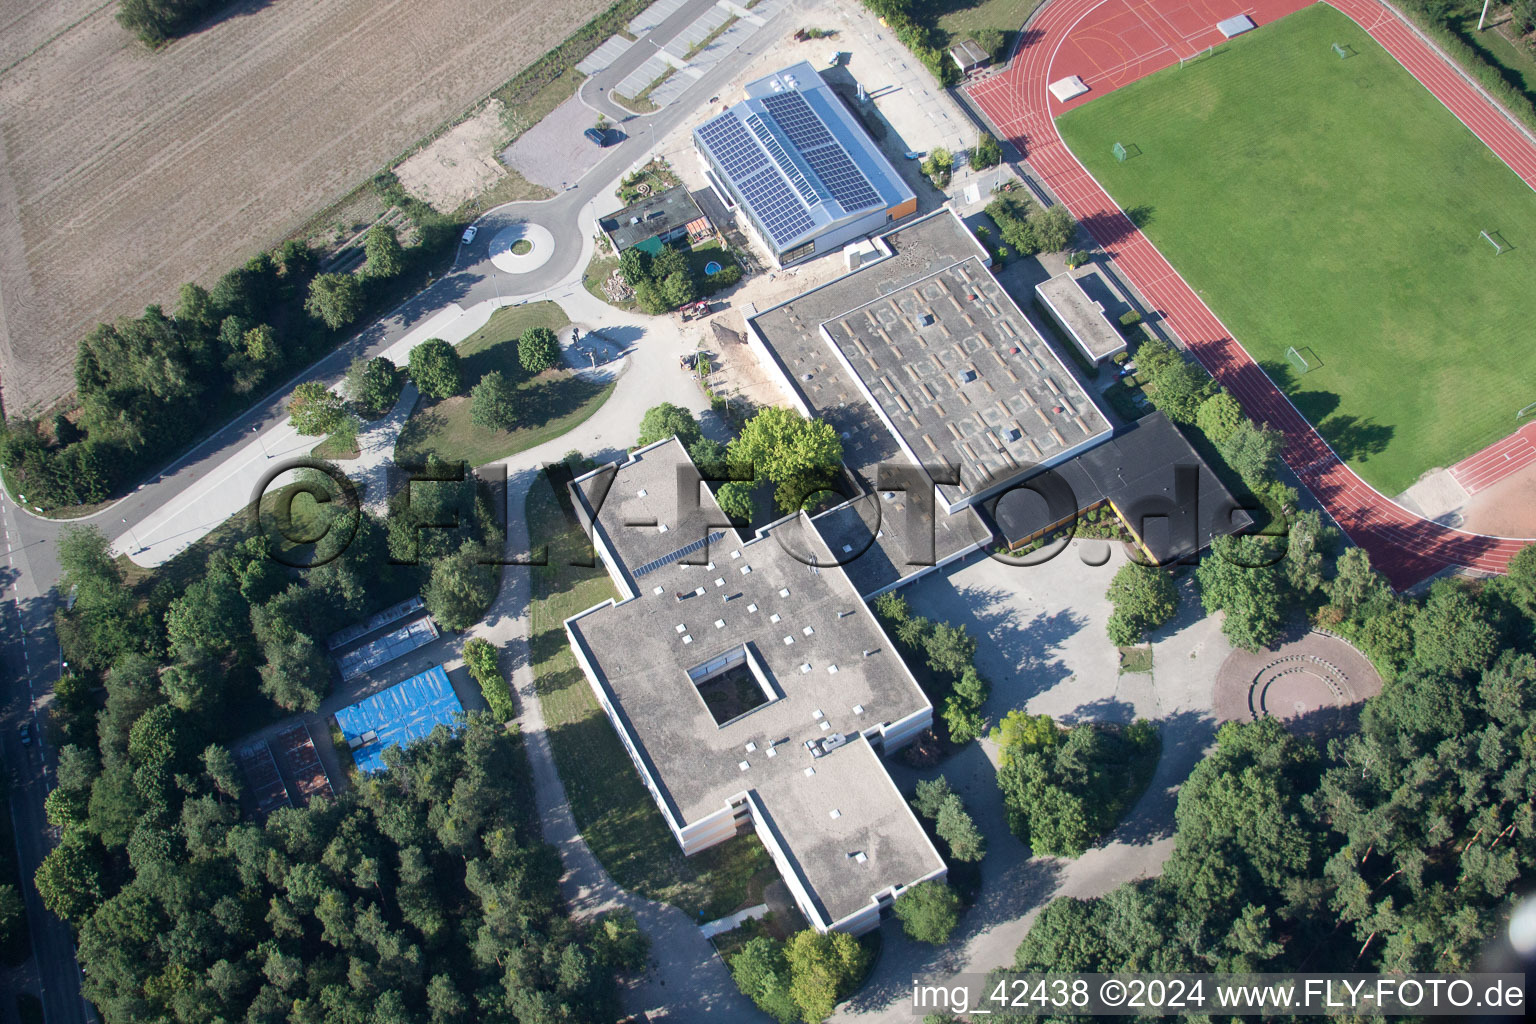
651	216
1151	474
870	538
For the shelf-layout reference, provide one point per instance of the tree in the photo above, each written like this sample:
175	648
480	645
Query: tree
210	615
296	674
1219	417
1237	578
664	420
460	589
956	827
931	794
986	153
219	763
70	879
929	912
335	299
1054	228
950	648
373	385
736	501
1145	597
538	350
315	408
762	973
1308	542
1252	451
1355	584
433	367
1178	388
13	912
1451	632
385	257
823	969
938	166
800	456
493	402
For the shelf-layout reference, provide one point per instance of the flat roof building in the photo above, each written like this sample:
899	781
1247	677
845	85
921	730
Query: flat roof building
805	172
928	345
752	687
1082	303
657	220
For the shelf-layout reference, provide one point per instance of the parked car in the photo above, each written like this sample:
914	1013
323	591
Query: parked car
596	136
470	233
26	733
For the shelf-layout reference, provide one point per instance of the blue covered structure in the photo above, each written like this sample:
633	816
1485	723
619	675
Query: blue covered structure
397	716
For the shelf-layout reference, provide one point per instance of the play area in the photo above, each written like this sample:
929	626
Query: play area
1365	249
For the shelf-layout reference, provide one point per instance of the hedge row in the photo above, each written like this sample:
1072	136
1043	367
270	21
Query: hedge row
482	658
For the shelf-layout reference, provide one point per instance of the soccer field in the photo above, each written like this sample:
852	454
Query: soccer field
1334	205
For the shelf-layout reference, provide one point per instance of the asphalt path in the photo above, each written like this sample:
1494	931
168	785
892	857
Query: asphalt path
28	579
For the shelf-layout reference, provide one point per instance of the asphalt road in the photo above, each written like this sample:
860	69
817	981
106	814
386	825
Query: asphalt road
28	648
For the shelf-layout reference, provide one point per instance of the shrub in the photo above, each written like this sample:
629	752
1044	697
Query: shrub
374	385
493	402
986	153
481	658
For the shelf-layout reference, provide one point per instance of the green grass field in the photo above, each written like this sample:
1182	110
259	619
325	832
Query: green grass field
1335	205
550	404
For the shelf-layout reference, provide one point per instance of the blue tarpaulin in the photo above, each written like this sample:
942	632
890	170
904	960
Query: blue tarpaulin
405	712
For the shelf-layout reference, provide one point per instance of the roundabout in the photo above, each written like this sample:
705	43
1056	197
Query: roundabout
1312	684
522	247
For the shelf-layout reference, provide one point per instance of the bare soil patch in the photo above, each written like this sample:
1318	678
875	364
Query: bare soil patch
124	173
1504	509
459	165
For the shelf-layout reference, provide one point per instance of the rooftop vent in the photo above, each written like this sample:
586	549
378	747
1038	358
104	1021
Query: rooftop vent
641	493
1013	433
658	591
772	752
968	376
1014	350
925	319
834	814
858	709
859	856
1056	409
743	765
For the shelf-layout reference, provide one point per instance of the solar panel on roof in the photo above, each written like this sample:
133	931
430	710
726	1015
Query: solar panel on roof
687	549
771	144
739	156
776	207
845	181
798	121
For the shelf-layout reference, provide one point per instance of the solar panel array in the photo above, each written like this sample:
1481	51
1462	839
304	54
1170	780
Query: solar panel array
681	552
781	214
799	122
771	144
845	181
828	159
772	184
739	156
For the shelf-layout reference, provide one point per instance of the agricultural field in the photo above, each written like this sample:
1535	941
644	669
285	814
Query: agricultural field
124	172
1335	206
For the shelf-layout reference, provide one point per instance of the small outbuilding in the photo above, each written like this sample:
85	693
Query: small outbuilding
969	55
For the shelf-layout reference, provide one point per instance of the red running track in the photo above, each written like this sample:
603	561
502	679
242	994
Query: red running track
1404	546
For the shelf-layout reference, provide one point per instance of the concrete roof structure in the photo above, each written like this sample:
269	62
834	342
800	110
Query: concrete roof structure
797	160
699	604
933	349
1156	481
1082	302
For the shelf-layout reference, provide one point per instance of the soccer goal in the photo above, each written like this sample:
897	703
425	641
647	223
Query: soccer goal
1343	52
1496	240
1119	152
1302	360
1197	56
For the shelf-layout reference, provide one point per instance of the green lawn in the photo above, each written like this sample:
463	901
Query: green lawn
548	405
1335	205
615	813
1518	63
962	17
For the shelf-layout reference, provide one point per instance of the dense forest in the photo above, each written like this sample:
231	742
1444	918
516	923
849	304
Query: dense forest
1400	847
423	894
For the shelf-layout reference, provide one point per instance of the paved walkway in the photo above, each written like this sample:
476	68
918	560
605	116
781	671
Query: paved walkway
1405	547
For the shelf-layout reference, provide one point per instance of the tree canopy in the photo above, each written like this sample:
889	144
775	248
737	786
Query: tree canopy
538	350
801	457
433	367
